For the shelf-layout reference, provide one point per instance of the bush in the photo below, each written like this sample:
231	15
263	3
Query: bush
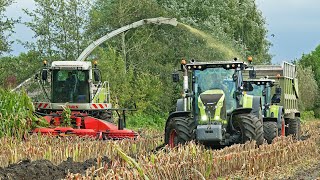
138	121
307	115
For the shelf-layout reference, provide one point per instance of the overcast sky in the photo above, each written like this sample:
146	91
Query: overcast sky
294	23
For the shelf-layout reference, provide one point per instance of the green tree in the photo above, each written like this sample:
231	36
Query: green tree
308	88
58	27
312	61
236	22
6	27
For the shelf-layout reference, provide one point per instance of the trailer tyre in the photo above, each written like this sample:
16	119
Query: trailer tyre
250	127
179	130
294	128
270	130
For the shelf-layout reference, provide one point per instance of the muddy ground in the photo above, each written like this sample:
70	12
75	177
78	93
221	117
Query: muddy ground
44	169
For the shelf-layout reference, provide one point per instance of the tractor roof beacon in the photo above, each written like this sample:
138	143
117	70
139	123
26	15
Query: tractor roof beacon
214	109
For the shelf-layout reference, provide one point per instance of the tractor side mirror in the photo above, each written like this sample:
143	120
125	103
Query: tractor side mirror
278	90
234	77
97	75
44	74
276	98
175	77
247	86
252	74
264	93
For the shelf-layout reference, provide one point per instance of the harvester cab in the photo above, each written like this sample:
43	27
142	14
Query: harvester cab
77	87
214	108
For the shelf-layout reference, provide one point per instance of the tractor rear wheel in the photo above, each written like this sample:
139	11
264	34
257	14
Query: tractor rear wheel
270	130
250	128
179	130
294	128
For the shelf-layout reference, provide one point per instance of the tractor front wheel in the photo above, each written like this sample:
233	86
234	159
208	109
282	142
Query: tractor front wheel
250	128
270	130
179	130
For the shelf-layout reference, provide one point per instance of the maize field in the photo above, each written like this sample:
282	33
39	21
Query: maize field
34	157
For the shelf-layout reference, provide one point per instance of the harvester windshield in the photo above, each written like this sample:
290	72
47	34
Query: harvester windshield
216	78
70	86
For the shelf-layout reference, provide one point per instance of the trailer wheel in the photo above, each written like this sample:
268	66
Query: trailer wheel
294	128
250	128
179	130
270	130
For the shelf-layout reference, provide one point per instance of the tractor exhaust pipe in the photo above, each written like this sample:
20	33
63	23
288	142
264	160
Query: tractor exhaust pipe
185	85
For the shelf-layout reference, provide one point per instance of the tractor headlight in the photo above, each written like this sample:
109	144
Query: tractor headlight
204	118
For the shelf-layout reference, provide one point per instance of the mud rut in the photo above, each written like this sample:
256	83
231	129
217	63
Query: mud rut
44	169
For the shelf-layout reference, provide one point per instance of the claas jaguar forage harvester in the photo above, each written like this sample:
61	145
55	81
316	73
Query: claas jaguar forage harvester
77	86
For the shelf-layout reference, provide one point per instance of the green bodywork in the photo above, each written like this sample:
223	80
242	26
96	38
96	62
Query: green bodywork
101	96
247	101
273	110
214	112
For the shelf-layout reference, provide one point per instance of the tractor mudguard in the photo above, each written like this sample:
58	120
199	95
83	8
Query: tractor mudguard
253	102
179	106
177	114
241	111
270	119
256	106
276	112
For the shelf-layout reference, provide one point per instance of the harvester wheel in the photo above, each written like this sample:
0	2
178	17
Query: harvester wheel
106	116
270	130
294	128
250	127
179	130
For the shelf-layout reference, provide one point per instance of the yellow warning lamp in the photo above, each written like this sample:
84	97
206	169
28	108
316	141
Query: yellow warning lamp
183	62
250	59
44	63
95	63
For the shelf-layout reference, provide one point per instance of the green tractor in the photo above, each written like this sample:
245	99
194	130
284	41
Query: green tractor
281	98
273	119
214	109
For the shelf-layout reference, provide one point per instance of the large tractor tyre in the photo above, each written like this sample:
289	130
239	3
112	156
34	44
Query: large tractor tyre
294	128
105	115
250	128
270	130
179	130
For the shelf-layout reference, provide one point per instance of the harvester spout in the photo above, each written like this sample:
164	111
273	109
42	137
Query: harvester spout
158	21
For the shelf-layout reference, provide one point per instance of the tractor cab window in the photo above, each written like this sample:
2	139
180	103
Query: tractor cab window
217	78
70	86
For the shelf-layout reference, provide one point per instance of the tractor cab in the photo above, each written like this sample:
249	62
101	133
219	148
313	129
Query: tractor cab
217	88
261	87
